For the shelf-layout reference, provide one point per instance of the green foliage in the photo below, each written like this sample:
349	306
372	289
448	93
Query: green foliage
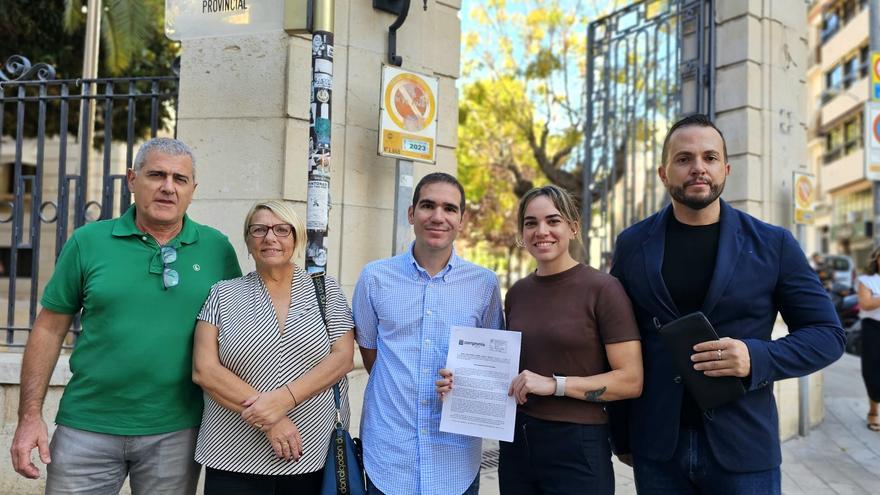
523	114
126	27
37	30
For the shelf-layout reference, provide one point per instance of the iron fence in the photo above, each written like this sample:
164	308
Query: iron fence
61	173
647	65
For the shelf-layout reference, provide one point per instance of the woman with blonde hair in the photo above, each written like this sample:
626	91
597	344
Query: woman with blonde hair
869	304
267	362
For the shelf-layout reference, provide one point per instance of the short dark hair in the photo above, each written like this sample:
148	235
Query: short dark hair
696	119
434	178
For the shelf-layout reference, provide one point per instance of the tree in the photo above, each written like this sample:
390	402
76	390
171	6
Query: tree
35	29
497	167
126	28
542	44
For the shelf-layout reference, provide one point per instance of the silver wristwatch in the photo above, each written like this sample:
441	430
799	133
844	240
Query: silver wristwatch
560	385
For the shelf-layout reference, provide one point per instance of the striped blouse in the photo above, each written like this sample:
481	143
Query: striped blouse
252	347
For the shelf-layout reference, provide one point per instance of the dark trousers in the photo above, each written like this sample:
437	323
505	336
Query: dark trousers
219	482
550	457
871	357
694	470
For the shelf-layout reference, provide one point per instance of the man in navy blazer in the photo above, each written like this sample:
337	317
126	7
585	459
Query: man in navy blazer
700	254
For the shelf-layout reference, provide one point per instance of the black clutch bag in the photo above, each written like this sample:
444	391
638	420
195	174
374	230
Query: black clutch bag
680	337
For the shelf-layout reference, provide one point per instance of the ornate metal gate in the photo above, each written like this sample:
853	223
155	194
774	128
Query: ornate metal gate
56	171
647	65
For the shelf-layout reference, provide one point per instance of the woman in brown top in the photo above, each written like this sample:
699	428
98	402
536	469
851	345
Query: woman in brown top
580	348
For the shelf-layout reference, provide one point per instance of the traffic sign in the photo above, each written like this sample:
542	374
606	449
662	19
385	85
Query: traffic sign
408	123
872	140
875	76
803	196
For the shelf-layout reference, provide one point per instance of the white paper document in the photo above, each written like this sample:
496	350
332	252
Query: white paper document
483	362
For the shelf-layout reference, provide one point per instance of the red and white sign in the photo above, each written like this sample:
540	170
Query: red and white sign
872	140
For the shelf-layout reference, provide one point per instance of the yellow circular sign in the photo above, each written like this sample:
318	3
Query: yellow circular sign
804	192
410	102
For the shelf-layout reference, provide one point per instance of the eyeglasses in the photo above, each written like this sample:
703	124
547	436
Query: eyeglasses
260	230
170	277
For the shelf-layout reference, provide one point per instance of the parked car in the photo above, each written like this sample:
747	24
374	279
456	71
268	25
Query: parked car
840	270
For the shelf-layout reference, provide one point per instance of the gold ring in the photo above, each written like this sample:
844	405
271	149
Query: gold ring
258	425
720	354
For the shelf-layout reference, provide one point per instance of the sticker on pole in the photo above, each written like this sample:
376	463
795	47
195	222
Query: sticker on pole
804	195
872	140
190	19
408	123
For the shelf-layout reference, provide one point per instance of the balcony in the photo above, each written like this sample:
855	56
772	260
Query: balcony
837	103
847	37
841	169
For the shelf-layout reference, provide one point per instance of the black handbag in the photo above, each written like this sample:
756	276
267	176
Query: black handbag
343	469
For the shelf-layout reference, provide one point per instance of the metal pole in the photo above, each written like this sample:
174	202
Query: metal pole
874	15
403	191
90	62
587	173
318	197
803	381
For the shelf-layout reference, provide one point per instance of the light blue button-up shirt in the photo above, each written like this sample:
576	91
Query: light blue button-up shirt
406	315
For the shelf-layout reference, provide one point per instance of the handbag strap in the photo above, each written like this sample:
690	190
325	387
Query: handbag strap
321	293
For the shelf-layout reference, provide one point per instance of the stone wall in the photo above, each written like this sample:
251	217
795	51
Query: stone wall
244	107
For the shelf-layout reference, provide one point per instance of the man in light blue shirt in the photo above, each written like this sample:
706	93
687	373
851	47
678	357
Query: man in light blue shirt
404	308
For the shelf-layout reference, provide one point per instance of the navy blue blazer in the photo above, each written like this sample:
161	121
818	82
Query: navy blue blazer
759	270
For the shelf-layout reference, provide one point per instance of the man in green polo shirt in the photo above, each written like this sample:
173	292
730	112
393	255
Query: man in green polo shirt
130	407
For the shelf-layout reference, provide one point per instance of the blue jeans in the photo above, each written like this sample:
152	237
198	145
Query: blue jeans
555	458
97	463
474	489
693	469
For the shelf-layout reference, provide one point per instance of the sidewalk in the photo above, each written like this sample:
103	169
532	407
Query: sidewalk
840	456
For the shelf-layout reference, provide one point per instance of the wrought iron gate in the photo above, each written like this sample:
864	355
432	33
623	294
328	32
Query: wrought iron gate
647	65
43	121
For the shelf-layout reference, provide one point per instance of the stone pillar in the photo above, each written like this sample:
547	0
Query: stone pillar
761	105
760	102
244	107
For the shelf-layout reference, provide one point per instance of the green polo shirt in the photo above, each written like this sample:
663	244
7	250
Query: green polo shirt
132	364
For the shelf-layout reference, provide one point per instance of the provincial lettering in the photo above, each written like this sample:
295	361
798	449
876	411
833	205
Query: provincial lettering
215	6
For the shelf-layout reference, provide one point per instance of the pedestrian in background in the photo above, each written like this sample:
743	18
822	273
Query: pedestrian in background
869	303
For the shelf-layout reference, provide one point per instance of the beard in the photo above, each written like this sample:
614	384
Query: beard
696	202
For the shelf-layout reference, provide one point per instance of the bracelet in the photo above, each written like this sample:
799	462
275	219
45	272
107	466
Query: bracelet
560	385
295	402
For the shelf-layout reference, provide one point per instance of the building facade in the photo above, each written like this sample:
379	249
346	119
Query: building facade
838	86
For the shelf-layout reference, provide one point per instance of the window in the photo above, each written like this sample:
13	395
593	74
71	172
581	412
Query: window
847	11
833	144
838	15
830	25
852	134
843	75
850	71
843	139
834	77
